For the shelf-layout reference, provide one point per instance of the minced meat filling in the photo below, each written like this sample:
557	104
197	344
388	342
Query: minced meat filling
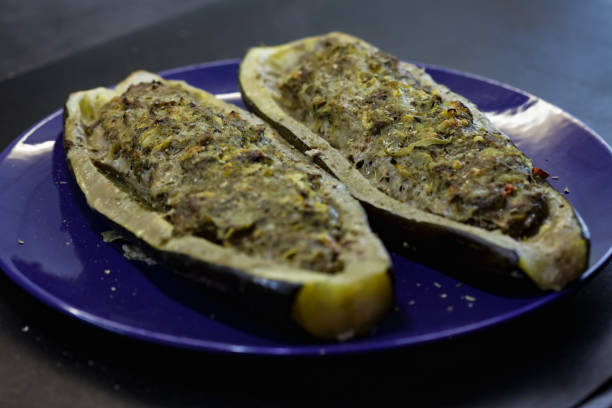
216	176
411	144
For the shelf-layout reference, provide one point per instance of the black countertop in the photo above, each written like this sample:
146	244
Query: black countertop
556	357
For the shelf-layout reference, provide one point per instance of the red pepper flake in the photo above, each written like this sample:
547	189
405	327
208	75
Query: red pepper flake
509	189
537	172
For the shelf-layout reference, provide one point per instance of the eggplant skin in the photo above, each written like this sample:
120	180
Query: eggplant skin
551	258
338	306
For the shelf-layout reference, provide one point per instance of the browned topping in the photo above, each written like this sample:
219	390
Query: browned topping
216	176
411	143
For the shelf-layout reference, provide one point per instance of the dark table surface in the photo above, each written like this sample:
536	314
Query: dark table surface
559	356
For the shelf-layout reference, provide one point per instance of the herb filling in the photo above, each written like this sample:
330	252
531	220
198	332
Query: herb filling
216	176
409	142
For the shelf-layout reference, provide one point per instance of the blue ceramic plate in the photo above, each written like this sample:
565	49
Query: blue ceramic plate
51	244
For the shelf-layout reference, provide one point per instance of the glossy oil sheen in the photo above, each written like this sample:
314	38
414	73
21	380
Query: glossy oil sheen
51	244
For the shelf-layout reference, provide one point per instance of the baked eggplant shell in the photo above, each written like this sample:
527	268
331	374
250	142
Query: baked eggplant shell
330	306
556	255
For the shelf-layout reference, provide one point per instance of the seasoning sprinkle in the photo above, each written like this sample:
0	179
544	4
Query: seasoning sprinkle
437	285
566	190
20	242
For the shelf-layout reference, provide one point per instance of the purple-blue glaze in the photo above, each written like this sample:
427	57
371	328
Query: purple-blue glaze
51	244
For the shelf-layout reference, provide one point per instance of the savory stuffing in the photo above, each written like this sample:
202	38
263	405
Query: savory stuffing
410	142
216	176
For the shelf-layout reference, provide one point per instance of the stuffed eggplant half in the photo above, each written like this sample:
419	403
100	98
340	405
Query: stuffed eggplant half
420	155
217	194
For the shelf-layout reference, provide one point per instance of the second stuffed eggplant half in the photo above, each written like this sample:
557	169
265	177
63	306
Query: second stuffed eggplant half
419	155
217	194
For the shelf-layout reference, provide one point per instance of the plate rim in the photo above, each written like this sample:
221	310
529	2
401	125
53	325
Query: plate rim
367	346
